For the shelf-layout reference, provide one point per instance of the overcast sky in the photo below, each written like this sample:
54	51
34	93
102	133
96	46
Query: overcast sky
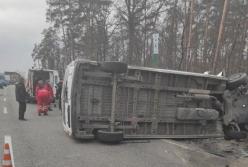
21	24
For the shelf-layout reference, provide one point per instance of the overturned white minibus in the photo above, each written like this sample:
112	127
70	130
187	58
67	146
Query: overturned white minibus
111	102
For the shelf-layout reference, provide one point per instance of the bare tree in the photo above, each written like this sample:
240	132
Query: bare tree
221	30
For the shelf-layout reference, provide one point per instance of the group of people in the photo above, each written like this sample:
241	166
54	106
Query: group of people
44	96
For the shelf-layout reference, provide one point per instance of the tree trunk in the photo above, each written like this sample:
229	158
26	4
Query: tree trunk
192	2
221	30
205	39
131	41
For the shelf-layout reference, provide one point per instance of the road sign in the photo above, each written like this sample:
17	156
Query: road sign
155	52
155	43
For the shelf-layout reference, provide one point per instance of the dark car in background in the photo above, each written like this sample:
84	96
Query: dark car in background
3	81
1	85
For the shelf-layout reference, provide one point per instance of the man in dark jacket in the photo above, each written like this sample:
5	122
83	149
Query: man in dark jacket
58	92
21	96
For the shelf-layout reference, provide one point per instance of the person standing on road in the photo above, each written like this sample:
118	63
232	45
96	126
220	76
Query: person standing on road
58	92
21	96
42	101
49	88
42	98
40	85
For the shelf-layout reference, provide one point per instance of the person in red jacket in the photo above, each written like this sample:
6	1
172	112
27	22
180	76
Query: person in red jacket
42	98
39	85
49	88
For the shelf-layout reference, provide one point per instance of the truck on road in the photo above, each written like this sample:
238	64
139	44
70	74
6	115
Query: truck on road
111	101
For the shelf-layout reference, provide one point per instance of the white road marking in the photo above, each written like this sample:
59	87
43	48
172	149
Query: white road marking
197	150
177	144
4	99
176	153
180	157
5	111
7	139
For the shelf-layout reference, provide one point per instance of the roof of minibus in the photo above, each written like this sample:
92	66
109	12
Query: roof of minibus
48	70
156	70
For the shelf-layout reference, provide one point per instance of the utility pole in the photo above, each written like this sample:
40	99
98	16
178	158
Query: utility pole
221	31
145	41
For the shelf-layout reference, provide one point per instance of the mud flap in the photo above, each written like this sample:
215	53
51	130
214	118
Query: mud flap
110	137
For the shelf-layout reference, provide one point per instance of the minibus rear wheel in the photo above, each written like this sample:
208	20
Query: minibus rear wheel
236	80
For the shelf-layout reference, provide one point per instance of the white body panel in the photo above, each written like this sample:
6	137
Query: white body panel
66	98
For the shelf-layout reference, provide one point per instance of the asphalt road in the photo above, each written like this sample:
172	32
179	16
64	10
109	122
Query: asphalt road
41	142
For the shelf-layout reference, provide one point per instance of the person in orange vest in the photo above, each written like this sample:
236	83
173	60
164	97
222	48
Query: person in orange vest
42	98
49	88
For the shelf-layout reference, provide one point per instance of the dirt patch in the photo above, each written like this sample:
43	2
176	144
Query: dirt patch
234	152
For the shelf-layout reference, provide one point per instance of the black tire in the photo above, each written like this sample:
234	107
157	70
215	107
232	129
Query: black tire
109	137
236	80
230	133
114	67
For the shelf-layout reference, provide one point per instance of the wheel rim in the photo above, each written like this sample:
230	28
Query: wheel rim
235	127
